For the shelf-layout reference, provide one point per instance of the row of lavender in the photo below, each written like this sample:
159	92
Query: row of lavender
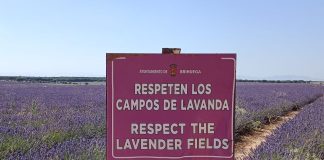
47	121
257	103
299	138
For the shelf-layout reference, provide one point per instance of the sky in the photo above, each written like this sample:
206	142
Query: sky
273	39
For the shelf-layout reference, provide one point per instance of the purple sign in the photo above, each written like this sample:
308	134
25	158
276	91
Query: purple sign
170	106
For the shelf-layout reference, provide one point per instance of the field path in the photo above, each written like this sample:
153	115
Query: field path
250	142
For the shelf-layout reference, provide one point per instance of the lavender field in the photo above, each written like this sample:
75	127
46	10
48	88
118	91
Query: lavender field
259	103
300	138
50	121
47	121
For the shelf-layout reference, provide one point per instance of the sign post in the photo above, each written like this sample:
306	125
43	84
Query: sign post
164	106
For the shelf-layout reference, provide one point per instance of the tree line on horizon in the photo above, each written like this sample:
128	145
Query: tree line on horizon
70	80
